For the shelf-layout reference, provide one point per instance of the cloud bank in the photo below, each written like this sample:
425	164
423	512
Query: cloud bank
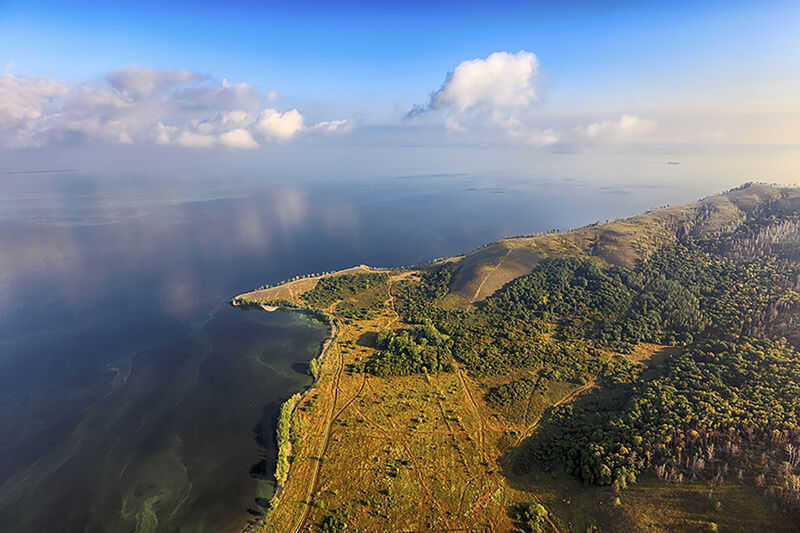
145	105
500	97
493	100
627	126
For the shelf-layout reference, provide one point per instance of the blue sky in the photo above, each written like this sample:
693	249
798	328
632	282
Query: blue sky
370	62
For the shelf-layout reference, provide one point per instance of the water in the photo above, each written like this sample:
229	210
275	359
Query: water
132	397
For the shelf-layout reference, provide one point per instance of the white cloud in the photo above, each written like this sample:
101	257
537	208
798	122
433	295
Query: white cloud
274	124
144	105
24	100
237	118
494	95
238	138
142	82
332	126
225	96
502	80
191	139
626	127
498	98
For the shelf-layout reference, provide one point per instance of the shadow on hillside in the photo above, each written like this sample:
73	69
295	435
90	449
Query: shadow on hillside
569	502
525	465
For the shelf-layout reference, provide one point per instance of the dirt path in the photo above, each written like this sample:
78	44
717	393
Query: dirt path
390	302
474	405
312	485
488	275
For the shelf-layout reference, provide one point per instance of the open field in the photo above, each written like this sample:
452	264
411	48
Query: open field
426	453
416	453
653	505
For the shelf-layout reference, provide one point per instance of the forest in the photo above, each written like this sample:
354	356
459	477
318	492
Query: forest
724	404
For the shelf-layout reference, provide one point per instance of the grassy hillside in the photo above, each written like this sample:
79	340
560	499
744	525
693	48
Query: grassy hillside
624	242
641	375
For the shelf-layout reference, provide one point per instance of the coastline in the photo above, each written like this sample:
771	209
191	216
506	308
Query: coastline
295	402
284	450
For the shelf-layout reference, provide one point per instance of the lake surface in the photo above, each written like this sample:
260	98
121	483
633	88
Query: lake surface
132	397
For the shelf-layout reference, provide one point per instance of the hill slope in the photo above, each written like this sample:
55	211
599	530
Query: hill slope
624	242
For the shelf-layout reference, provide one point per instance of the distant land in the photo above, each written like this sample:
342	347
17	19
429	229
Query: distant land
637	375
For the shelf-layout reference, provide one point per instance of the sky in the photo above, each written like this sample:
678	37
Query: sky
534	77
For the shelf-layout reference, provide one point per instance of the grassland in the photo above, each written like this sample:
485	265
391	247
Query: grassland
416	453
428	452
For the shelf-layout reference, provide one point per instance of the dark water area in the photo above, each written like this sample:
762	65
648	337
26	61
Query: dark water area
132	397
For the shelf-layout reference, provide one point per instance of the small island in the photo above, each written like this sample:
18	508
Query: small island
637	375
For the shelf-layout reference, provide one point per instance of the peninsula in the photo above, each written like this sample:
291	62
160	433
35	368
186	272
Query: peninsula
638	375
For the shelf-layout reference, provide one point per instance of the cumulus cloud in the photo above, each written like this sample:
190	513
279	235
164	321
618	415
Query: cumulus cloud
497	94
502	80
626	127
24	100
145	105
238	138
272	123
499	98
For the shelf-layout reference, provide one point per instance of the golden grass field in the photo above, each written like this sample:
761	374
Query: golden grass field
417	453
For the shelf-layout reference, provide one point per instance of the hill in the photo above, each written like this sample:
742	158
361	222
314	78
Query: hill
624	242
639	375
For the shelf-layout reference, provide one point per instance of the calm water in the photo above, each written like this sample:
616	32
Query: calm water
132	398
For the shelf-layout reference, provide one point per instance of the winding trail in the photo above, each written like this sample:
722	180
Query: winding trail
488	275
312	485
390	302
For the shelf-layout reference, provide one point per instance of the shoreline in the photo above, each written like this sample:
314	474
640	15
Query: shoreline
294	399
